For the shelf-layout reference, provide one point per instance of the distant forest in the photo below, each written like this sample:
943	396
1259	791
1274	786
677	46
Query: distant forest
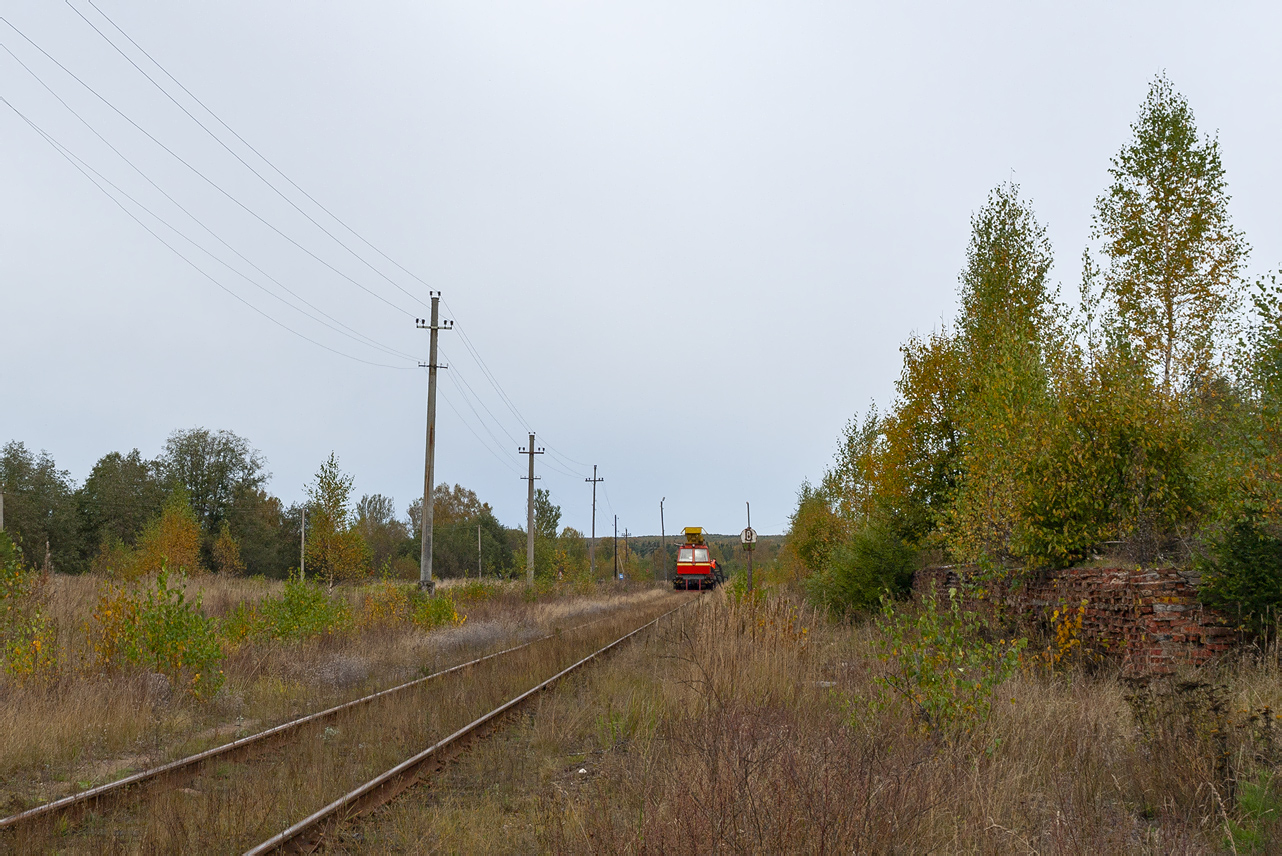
202	506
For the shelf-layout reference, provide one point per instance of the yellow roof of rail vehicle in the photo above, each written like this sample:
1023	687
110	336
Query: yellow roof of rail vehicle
694	534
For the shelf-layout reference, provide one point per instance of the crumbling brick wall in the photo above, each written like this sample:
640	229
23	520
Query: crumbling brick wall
1151	619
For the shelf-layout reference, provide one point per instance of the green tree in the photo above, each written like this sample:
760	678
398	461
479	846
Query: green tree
456	514
547	515
385	534
121	495
267	533
335	550
215	468
40	508
923	437
1173	256
1004	329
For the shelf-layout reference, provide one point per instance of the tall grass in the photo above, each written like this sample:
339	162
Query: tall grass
89	721
754	727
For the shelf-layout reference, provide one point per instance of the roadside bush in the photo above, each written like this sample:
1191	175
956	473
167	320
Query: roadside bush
386	604
159	629
1243	577
941	664
858	572
27	636
436	611
303	610
476	591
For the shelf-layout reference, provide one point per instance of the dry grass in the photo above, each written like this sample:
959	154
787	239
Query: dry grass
732	730
86	725
233	806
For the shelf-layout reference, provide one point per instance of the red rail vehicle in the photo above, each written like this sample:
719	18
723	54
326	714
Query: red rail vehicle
695	568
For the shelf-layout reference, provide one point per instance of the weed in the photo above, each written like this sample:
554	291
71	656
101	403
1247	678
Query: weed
27	636
436	611
941	664
160	629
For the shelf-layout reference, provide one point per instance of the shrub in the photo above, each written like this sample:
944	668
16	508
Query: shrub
386	603
27	636
1243	577
855	574
159	629
941	664
302	611
436	611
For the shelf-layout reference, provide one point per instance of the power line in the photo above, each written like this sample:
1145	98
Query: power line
351	333
180	255
468	402
229	150
201	175
486	446
487	409
565	459
485	369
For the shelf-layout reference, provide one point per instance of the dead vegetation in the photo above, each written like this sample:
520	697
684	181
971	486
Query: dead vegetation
758	729
82	724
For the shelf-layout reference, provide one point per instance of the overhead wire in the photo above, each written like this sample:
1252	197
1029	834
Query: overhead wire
489	375
201	175
228	148
515	442
350	333
470	429
57	147
468	402
562	458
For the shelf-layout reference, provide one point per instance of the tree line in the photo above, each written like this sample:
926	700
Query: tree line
203	505
1141	423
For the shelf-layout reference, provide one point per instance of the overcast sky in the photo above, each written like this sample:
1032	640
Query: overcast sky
686	239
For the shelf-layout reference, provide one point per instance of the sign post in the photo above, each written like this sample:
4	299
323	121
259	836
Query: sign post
748	538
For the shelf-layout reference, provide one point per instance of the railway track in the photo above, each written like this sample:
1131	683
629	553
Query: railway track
64	813
305	835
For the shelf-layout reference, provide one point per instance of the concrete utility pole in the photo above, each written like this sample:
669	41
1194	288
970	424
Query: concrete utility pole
663	542
302	545
425	580
749	546
591	544
616	547
529	514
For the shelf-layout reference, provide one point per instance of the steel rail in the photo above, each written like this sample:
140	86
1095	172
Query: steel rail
403	774
118	787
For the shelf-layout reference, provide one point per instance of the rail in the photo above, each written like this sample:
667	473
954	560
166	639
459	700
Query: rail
387	785
115	789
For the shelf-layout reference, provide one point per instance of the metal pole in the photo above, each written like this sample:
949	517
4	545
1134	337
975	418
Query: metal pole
749	546
302	546
478	551
529	514
616	547
425	580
